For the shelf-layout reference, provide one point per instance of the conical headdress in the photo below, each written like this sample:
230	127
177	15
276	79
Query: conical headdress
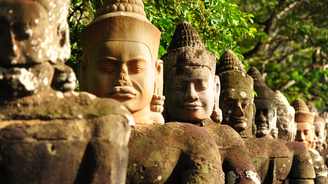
187	49
120	20
111	6
263	92
302	113
311	107
232	73
229	61
185	35
282	104
320	119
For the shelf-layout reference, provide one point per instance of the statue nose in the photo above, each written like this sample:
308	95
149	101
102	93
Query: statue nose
123	75
239	110
191	94
262	117
302	136
122	79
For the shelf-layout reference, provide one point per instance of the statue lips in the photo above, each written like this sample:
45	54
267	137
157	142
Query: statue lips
191	106
238	120
122	92
261	126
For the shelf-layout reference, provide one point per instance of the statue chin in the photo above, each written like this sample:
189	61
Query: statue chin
262	133
19	82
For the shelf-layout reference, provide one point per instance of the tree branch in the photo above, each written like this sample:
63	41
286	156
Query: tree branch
283	86
270	23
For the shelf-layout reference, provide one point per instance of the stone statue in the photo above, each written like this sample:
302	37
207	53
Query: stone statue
312	108
304	119
266	115
120	61
320	133
305	134
191	88
49	133
273	160
285	118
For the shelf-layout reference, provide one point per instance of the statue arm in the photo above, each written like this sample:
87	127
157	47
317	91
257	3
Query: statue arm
302	170
238	166
201	162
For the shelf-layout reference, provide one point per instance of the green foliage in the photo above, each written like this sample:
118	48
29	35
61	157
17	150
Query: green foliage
219	23
291	44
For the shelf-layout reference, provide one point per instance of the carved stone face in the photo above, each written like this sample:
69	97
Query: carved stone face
286	128
28	33
304	134
265	117
320	135
124	71
29	40
190	93
237	108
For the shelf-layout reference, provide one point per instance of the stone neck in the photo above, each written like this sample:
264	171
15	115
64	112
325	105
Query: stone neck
146	116
247	133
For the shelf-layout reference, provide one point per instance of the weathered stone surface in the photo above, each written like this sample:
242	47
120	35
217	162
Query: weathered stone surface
285	121
48	133
192	92
233	151
304	120
266	115
173	153
57	137
170	153
273	160
133	75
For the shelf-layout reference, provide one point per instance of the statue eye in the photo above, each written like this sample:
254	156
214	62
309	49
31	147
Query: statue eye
108	70
20	31
244	104
136	66
136	70
200	85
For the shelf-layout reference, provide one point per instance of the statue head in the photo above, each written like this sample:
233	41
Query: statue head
265	117
285	118
190	85
312	108
120	49
236	99
34	35
320	133
304	119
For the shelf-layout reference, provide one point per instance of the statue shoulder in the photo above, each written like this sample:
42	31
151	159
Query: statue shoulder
302	161
273	148
225	136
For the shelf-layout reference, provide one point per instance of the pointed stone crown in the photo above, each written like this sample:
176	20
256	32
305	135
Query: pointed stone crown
120	20
302	113
320	119
311	107
185	35
110	6
57	9
263	92
229	61
232	73
282	104
187	49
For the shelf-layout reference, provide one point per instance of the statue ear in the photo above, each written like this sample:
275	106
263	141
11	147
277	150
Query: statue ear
63	42
81	69
217	113
158	87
